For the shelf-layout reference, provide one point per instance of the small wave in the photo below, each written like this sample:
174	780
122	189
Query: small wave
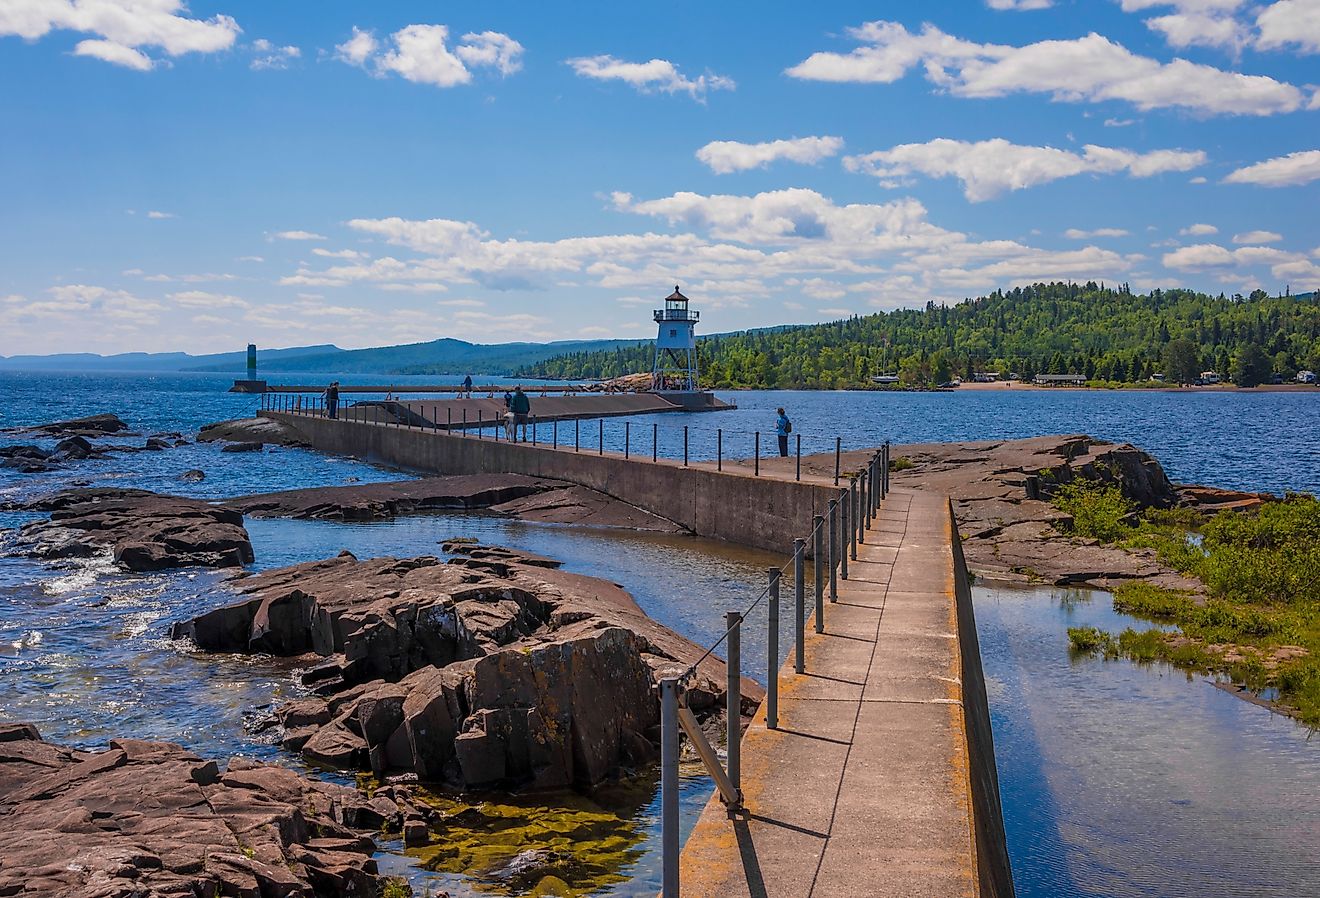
85	572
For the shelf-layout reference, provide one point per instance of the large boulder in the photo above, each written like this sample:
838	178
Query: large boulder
144	530
492	670
152	819
252	430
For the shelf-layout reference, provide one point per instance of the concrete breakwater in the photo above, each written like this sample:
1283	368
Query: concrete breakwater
914	757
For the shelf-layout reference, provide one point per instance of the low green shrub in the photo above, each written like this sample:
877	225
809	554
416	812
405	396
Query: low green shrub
1099	511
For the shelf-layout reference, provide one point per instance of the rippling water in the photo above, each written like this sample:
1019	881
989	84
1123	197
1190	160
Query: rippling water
1117	779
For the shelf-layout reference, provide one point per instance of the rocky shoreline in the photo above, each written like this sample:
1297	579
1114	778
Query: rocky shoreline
495	669
151	819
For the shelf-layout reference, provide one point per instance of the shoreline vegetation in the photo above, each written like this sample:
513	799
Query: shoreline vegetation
1256	620
1106	335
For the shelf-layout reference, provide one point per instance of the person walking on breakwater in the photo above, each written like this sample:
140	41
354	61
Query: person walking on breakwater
521	406
783	427
467	386
332	399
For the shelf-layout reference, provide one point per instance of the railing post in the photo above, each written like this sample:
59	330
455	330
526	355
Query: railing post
655	441
669	785
878	481
852	519
627	439
733	697
577	434
818	566
886	467
799	458
601	424
685	445
845	532
838	446
480	425
772	654
534	422
833	551
465	421
758	454
800	605
449	418
719	449
554	433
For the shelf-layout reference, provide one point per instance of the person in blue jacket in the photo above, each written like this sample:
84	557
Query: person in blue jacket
783	427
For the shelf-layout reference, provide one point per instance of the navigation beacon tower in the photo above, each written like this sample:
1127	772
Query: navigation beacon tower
675	368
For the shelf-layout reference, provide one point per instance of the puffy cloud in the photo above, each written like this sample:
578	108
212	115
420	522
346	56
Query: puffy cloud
656	75
1076	234
1228	264
1282	171
109	51
990	168
122	27
1199	230
268	56
202	299
297	235
421	53
1256	237
1290	22
160	215
338	254
1019	4
1200	30
727	156
1087	69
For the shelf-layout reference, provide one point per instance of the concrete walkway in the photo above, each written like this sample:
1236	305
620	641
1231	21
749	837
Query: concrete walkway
864	789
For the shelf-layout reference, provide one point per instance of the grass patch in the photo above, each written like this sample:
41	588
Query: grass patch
1261	571
902	463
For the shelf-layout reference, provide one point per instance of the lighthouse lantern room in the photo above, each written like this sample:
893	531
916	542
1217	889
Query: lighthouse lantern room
675	367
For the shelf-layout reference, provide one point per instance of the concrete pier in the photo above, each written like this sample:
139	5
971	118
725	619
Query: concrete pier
879	780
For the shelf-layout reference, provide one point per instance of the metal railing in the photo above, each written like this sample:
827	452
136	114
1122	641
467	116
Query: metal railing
629	438
835	536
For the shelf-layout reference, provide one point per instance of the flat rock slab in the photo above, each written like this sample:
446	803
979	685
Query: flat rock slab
152	819
90	426
146	531
513	495
493	669
252	430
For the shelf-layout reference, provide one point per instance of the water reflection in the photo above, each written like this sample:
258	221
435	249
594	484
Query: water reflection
1126	780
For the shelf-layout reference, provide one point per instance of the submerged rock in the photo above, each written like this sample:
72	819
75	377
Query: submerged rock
91	426
144	530
514	495
196	475
478	673
152	819
243	447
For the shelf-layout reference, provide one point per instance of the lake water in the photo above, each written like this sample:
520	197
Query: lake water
1117	779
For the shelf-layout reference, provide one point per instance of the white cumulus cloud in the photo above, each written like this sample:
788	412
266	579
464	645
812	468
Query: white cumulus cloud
1086	69
267	55
1199	230
1290	23
298	235
726	156
421	53
1077	234
990	168
121	28
1257	237
655	75
1282	171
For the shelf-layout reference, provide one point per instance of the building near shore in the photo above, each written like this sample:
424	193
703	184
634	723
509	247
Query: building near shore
1059	380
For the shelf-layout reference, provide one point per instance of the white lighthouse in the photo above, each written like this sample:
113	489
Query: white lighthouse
675	367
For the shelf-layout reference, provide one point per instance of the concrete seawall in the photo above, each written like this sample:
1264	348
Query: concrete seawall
762	512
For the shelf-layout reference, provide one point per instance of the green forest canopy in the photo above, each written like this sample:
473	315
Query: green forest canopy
1106	334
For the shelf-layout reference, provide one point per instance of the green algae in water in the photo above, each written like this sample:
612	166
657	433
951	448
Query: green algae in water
583	844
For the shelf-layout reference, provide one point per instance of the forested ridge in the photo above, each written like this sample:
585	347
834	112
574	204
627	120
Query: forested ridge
1106	334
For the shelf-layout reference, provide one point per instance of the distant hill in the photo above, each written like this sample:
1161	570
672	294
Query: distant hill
155	361
445	356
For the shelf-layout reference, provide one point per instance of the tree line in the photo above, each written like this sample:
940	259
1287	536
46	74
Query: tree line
1106	334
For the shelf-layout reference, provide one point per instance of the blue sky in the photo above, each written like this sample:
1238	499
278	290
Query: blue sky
197	176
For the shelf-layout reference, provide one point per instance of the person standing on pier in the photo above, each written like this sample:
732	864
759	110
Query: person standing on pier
521	406
783	427
467	386
332	399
